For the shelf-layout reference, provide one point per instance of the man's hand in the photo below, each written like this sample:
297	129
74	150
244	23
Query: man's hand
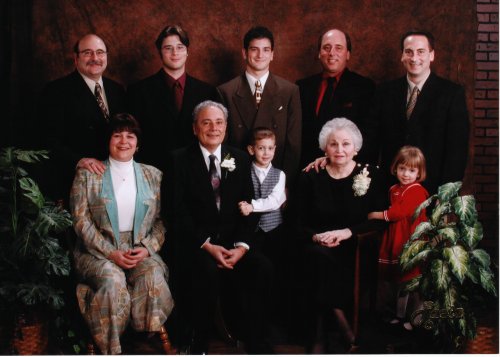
245	208
319	163
332	239
235	255
93	165
219	253
122	259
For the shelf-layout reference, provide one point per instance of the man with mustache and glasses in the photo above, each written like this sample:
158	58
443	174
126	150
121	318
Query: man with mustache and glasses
423	110
74	111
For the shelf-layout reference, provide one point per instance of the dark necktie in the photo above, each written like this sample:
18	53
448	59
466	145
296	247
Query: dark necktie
100	101
412	101
214	180
178	96
327	98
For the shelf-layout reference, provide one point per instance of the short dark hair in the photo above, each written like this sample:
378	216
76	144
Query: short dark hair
258	32
124	122
347	39
172	30
259	133
427	34
76	46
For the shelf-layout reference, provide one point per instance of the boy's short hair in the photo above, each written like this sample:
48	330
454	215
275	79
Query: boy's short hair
260	133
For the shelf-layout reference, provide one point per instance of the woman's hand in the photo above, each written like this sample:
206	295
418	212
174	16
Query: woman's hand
245	208
122	259
138	254
320	162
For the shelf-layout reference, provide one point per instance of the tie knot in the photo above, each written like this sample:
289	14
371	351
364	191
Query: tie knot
97	88
331	80
257	84
177	84
212	158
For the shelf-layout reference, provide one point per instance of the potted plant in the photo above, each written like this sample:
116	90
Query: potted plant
455	272
31	257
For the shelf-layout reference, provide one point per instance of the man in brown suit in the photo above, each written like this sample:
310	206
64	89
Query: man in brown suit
260	98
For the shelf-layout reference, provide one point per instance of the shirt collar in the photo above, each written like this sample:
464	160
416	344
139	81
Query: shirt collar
171	80
337	77
265	171
411	85
206	153
251	80
91	83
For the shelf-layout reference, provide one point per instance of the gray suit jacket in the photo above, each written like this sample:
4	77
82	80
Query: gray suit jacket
279	110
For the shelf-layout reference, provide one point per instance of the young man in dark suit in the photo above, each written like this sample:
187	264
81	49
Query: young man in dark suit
74	111
421	109
215	240
163	103
259	98
335	92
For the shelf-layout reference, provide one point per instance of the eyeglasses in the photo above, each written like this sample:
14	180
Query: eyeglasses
89	53
171	49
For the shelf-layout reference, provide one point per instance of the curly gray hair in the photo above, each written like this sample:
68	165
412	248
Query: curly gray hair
337	124
206	104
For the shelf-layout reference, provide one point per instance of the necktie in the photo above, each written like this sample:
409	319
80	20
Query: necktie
214	179
412	101
178	96
100	101
327	98
258	92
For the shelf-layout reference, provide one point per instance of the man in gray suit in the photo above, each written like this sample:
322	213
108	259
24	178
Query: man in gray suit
260	98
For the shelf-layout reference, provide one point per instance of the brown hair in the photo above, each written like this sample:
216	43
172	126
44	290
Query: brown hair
260	133
411	156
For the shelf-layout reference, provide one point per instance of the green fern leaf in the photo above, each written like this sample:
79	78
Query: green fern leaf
450	232
440	275
465	208
412	285
422	228
411	249
32	192
439	211
487	281
472	235
482	257
458	259
448	191
419	258
423	206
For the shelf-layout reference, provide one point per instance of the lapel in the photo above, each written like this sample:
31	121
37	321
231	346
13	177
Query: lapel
268	102
400	99
201	177
87	99
144	201
163	96
108	197
423	99
244	102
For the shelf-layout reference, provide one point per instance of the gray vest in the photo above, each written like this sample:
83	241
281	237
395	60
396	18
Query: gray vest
268	220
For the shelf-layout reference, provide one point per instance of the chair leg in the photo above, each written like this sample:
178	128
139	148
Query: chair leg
165	341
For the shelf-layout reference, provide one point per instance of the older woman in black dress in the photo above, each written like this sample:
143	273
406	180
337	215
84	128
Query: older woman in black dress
333	209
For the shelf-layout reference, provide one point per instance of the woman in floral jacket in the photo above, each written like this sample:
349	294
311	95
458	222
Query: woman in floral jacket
333	208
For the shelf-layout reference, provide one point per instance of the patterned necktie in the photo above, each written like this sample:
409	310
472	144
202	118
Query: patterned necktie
412	101
327	97
214	180
100	101
258	92
178	96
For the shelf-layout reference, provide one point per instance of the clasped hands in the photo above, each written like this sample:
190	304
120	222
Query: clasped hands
225	258
333	238
130	258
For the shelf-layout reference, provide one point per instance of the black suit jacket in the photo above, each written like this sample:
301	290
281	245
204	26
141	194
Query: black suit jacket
439	126
192	213
350	100
164	129
74	126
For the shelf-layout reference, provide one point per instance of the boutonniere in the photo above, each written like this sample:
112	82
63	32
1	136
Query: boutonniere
361	183
228	163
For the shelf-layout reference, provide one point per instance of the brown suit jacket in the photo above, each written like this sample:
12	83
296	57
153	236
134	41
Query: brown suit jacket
279	110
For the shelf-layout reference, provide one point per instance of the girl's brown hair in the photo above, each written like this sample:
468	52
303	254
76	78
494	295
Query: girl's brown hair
410	156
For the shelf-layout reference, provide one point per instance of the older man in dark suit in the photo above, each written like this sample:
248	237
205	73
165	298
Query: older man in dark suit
163	103
421	109
74	111
215	240
260	98
336	92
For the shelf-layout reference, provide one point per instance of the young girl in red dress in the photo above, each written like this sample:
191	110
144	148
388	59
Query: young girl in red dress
409	168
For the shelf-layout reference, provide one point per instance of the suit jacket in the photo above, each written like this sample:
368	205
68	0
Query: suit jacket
350	100
164	129
279	110
95	213
195	216
74	126
439	126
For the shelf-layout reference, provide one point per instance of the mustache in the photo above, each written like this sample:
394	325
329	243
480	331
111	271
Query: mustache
97	62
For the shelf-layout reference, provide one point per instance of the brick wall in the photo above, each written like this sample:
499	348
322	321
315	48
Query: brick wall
486	119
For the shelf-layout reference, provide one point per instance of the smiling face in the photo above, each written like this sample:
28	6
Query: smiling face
263	150
173	54
210	128
340	148
406	174
417	57
333	53
258	56
122	145
92	58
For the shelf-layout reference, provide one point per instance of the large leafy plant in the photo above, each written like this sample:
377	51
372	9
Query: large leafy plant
31	257
453	267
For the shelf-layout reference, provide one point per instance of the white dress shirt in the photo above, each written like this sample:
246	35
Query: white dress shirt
251	81
277	196
412	85
91	84
125	189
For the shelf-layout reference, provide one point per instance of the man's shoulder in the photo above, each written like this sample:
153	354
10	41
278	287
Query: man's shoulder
307	81
146	82
281	82
190	80
357	78
231	84
443	83
110	83
65	81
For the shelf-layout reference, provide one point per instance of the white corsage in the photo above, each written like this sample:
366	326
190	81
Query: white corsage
361	183
228	163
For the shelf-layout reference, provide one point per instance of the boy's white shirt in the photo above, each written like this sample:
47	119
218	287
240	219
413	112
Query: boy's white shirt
277	196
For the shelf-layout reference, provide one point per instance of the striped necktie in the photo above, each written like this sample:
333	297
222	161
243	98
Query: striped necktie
412	101
100	101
